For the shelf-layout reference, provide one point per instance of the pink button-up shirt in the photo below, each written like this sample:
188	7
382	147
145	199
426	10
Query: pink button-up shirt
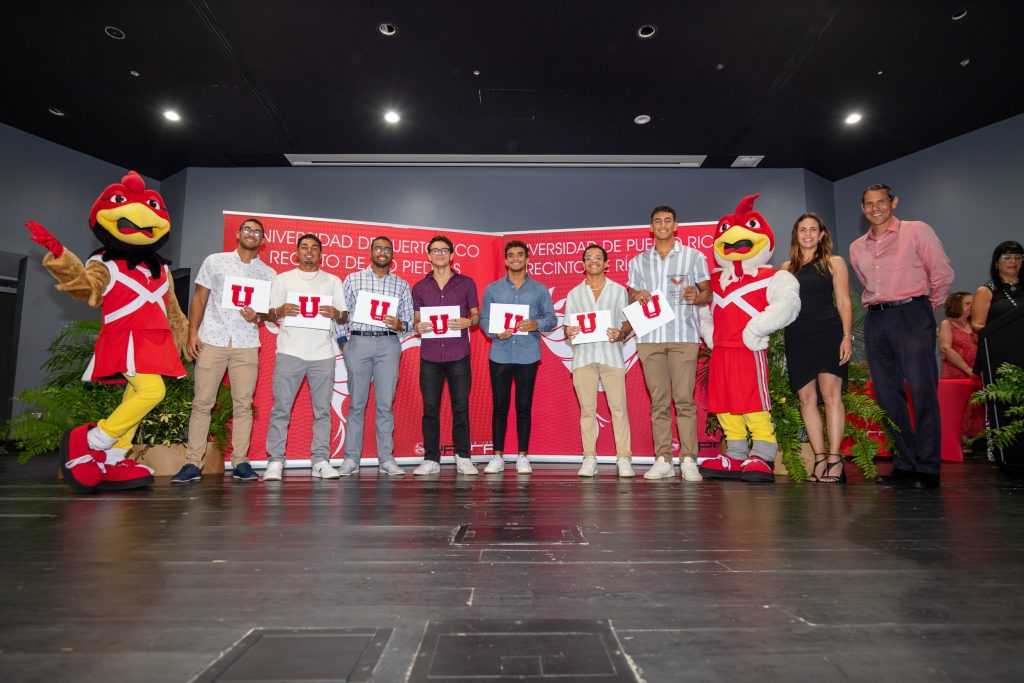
906	261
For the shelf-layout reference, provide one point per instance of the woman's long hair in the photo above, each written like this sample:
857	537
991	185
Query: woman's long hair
823	253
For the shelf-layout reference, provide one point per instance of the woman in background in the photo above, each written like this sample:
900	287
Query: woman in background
818	342
958	345
1003	292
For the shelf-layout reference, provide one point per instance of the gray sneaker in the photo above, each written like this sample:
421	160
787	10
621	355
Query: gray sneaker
348	467
391	467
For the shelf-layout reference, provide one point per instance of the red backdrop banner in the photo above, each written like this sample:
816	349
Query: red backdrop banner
555	261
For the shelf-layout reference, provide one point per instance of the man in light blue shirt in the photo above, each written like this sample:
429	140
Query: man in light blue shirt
514	358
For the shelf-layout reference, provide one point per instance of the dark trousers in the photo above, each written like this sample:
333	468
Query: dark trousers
900	345
432	379
503	376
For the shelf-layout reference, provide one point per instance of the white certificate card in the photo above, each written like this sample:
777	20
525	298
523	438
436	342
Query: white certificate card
506	317
240	292
593	326
438	317
645	318
371	308
309	310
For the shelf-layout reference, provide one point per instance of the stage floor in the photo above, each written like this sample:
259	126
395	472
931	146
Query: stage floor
507	577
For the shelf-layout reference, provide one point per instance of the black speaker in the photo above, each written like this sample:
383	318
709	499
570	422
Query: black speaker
182	279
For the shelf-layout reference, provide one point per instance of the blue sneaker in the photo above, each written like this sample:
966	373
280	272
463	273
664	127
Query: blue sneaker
186	474
244	472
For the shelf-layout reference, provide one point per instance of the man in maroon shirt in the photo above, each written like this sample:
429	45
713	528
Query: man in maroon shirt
906	275
445	358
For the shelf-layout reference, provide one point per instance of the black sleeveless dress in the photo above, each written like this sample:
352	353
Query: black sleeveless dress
812	340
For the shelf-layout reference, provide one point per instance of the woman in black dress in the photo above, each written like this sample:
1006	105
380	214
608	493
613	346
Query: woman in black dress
1003	292
818	342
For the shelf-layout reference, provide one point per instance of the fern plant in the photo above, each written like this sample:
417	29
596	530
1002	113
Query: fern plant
64	401
1008	390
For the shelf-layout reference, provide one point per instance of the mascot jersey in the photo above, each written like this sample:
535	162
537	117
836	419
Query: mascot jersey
737	376
135	337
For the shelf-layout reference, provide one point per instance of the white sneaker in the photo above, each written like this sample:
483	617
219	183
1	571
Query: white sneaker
323	470
273	471
348	467
625	467
494	465
465	465
427	467
589	467
660	470
689	469
523	465
391	467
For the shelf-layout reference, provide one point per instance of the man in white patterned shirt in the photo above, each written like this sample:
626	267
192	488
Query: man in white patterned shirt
669	353
223	340
372	355
600	362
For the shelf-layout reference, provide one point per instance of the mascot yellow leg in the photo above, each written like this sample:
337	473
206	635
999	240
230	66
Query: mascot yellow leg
739	462
143	394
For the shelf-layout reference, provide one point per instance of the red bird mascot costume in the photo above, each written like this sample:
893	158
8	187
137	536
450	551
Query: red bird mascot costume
751	300
143	327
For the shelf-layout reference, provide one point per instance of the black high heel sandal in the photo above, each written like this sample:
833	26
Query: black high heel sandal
827	477
814	468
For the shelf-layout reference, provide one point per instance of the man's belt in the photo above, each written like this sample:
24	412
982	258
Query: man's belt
382	333
892	304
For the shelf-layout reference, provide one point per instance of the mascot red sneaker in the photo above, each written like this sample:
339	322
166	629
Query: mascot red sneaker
751	300
143	327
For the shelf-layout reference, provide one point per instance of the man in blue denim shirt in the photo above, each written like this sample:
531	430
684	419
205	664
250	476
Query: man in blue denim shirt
514	358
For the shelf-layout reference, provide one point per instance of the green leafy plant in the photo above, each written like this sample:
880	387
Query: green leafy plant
64	400
1007	389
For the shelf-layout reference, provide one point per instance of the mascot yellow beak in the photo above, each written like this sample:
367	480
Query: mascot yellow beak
133	223
740	244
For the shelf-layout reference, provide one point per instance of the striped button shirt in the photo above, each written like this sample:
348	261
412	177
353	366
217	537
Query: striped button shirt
647	270
581	300
390	284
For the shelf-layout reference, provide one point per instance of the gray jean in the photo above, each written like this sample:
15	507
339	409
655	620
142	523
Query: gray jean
289	372
376	360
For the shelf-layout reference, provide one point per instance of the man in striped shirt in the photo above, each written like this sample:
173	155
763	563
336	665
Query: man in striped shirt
373	354
669	353
599	363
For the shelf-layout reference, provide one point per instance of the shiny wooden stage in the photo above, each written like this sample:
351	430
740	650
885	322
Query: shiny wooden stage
508	577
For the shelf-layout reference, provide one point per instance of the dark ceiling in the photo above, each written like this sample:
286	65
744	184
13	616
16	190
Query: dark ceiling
257	79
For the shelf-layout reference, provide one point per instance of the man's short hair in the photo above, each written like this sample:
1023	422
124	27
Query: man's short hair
251	220
382	237
594	246
309	236
517	243
441	238
891	193
663	209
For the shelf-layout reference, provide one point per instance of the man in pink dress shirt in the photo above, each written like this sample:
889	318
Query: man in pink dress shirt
906	276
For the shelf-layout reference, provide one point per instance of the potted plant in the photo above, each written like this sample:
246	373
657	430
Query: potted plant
64	401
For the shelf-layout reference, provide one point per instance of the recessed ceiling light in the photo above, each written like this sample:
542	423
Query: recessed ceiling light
642	119
853	118
115	33
387	29
957	16
476	72
747	161
647	31
392	117
719	66
56	112
964	62
134	73
880	72
172	115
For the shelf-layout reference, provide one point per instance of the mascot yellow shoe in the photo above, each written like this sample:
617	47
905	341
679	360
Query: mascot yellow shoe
143	327
751	300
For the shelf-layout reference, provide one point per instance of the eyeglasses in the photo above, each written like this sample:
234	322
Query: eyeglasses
1009	258
593	257
441	251
383	250
246	230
